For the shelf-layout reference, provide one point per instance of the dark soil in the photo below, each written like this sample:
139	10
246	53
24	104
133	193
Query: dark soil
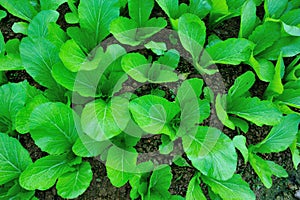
101	188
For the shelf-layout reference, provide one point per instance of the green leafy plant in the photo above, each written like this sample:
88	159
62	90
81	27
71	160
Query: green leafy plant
140	27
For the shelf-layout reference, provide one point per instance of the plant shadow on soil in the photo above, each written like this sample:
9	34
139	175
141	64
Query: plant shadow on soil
101	188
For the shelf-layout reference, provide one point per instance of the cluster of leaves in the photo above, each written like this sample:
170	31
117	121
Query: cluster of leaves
84	111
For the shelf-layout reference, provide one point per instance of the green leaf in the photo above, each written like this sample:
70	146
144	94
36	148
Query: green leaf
56	35
170	7
240	123
96	16
234	188
166	146
38	27
248	18
72	184
234	51
3	14
263	68
275	86
192	34
158	48
221	111
140	10
209	150
13	158
295	153
19	8
98	121
263	37
23	115
153	114
255	110
290	97
289	46
52	127
120	165
281	135
169	59
265	169
200	7
189	90
20	27
241	85
194	191
51	4
39	67
136	66
87	147
11	62
239	142
43	173
159	183
275	9
13	98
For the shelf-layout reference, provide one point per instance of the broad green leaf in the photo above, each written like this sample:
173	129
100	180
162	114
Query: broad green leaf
2	45
159	183
291	30
73	57
200	7
151	27
136	66
23	115
51	4
140	10
221	112
290	97
275	86
82	38
153	114
98	122
161	73
71	18
167	145
264	36
291	17
192	34
19	8
240	123
234	51
43	173
295	153
3	14
209	150
170	7
158	48
263	68
234	188
169	59
38	27
281	135
13	190
239	142
52	127
72	184
257	111
13	98
13	158
56	35
265	169
190	89
95	16
218	11
12	46
120	165
38	58
124	30
20	27
11	62
248	18
289	46
241	85
194	191
275	9
87	147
